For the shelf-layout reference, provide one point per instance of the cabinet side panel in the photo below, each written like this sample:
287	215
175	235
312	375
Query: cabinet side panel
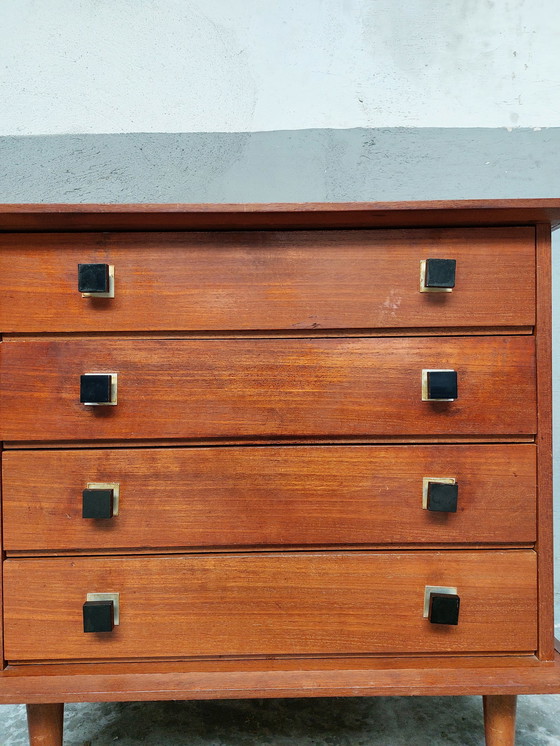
2	566
543	339
2	664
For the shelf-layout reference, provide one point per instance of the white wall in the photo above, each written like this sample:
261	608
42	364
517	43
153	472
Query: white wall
109	66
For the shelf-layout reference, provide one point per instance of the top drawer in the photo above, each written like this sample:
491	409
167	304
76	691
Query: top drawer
349	279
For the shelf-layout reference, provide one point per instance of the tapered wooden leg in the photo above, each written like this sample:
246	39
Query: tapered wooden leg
499	719
45	724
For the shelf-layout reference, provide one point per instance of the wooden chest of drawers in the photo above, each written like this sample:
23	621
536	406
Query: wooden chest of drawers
276	450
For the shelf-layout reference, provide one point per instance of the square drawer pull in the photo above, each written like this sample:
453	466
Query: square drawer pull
437	275
439	385
98	389
96	280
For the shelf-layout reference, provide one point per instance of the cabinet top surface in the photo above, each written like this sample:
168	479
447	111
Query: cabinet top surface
85	217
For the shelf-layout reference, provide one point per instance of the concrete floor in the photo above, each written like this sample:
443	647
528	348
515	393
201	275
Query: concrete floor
395	721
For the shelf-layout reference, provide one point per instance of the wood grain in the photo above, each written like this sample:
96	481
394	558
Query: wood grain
416	331
1	559
270	604
144	217
45	724
513	663
267	280
419	439
499	719
257	393
543	340
258	496
200	680
266	388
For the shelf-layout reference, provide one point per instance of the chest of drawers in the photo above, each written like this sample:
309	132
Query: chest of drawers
276	451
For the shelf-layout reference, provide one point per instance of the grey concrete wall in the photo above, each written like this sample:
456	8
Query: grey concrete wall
283	166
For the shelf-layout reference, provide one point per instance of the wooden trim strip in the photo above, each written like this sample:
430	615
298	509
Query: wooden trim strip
543	346
128	551
259	679
327	440
2	556
293	663
287	662
141	217
459	331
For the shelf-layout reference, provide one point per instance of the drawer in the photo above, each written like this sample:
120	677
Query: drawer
266	388
270	604
271	280
257	496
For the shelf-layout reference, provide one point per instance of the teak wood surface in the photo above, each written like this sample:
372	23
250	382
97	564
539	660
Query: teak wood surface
499	720
267	280
525	412
275	216
543	344
283	496
45	724
270	604
268	388
279	677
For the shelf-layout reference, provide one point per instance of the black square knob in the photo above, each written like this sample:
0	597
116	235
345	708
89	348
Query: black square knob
440	273
93	278
97	504
442	384
444	608
442	497
95	388
99	616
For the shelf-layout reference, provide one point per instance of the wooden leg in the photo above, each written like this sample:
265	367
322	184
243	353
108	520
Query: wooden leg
44	723
499	719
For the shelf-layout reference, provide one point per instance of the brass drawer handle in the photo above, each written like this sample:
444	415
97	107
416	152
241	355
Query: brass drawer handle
444	608
98	389
100	500
441	605
101	612
440	494
439	385
96	280
437	275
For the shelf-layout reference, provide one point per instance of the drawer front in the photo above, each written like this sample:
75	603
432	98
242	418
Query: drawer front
258	496
270	604
268	280
267	388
